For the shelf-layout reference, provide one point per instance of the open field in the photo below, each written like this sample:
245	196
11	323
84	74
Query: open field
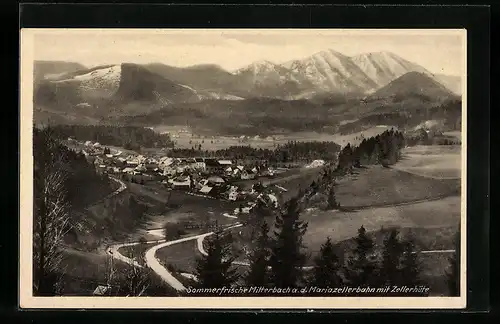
378	186
294	183
292	180
186	140
425	238
438	161
339	226
457	134
200	207
432	224
181	256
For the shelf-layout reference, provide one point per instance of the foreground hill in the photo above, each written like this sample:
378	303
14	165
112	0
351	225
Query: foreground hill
248	117
447	115
413	84
273	116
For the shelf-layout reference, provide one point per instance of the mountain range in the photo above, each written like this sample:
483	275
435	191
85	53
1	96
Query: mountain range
366	83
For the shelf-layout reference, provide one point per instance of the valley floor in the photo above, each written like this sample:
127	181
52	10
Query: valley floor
377	198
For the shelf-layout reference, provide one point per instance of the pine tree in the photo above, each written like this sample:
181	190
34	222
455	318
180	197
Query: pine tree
376	153
361	268
453	273
410	265
391	258
326	267
214	270
287	256
259	259
332	201
313	187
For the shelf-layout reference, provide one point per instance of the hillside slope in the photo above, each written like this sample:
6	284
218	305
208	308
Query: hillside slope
211	81
413	84
50	69
384	67
451	82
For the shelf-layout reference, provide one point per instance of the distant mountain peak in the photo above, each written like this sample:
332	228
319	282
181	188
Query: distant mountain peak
257	66
327	51
331	71
263	62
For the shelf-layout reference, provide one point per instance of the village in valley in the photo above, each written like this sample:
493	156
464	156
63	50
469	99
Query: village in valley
213	178
323	171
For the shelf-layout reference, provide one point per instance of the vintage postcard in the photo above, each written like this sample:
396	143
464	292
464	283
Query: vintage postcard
226	168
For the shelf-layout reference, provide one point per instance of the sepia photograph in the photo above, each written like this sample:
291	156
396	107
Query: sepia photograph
253	168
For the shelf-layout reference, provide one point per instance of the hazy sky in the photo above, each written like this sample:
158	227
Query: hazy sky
439	52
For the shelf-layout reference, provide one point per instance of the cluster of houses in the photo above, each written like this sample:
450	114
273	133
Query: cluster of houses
203	176
430	136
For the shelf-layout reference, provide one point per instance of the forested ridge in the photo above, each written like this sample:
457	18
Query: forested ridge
129	137
82	183
292	151
63	182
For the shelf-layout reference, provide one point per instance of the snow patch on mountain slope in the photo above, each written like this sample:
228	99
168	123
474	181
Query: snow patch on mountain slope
200	97
53	76
384	67
222	96
257	67
203	95
105	81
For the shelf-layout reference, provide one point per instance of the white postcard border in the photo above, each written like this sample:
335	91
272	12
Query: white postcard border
27	300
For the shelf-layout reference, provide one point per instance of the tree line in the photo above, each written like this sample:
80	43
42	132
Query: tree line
63	181
289	152
79	174
128	137
277	259
383	149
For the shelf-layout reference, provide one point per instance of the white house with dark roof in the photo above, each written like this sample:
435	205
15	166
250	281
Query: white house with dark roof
247	174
